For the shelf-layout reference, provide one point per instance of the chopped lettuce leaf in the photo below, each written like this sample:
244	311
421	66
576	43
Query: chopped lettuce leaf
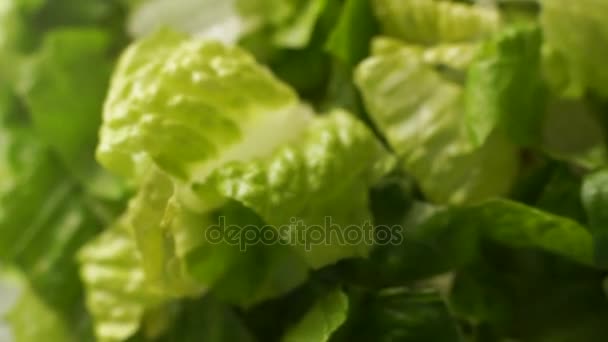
194	257
326	174
431	22
144	215
403	93
210	102
117	293
504	87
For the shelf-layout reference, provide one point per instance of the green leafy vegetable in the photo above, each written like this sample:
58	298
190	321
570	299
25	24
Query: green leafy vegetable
117	292
234	98
494	94
303	170
432	22
403	92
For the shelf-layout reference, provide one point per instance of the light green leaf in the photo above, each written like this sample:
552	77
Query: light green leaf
117	293
456	56
432	22
578	31
144	216
323	177
420	111
279	190
321	321
194	256
192	105
235	272
504	87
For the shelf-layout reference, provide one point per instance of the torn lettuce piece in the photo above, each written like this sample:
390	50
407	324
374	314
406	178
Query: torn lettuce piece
194	259
421	112
180	258
326	315
232	156
452	56
577	30
144	217
117	293
191	105
199	261
321	180
258	269
206	19
504	87
176	257
431	22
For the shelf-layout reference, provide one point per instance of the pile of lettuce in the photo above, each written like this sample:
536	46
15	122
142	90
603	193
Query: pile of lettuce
130	128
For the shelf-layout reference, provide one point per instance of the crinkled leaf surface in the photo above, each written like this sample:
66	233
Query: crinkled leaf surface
422	115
